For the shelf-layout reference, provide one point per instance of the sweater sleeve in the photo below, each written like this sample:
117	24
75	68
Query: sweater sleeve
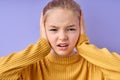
12	65
99	57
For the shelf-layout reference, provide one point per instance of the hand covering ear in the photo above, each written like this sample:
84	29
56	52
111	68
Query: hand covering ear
83	37
42	27
82	24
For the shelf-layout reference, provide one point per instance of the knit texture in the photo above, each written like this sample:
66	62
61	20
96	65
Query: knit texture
36	63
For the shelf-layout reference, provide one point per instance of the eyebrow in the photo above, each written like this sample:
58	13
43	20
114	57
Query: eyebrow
53	26
72	25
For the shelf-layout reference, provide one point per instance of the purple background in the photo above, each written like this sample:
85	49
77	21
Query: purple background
19	23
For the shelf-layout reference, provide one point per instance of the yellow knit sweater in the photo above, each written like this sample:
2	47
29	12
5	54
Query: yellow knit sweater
36	63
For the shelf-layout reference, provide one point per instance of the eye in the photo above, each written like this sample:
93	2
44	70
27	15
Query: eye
71	29
53	29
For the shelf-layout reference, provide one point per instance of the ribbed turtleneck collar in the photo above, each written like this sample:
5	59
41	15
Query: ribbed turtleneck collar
63	60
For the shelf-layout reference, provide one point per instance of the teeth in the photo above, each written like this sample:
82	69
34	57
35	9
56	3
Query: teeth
62	45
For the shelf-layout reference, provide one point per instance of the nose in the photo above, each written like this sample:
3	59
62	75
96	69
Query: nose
63	36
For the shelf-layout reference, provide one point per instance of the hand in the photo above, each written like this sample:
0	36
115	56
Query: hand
83	36
42	27
82	24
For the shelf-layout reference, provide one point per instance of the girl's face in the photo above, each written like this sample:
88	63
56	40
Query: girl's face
62	29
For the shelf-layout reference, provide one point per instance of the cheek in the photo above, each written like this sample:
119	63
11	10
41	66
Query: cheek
51	39
52	42
74	38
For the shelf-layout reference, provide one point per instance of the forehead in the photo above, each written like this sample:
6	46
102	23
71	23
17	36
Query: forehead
61	17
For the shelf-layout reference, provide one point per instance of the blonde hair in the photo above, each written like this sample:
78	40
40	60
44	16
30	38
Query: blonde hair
64	4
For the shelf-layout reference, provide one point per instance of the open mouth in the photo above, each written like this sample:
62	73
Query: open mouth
62	46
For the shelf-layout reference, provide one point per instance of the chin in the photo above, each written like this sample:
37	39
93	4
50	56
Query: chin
64	53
